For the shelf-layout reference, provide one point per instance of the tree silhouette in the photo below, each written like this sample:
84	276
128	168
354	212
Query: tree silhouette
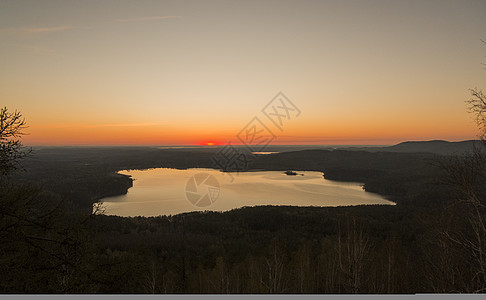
44	247
463	234
12	125
477	106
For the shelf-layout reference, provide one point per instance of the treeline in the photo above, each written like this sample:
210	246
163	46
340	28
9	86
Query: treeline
265	250
366	249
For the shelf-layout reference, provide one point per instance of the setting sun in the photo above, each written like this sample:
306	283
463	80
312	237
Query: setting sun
212	143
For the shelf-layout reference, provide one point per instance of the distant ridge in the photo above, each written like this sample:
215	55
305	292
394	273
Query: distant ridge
435	146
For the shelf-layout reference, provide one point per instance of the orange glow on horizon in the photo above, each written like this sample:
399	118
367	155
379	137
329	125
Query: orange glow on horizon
304	134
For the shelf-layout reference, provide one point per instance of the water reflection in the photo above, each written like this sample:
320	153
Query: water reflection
164	191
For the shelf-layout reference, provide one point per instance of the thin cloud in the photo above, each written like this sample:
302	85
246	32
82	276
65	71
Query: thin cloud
26	31
148	18
46	29
32	30
85	126
124	125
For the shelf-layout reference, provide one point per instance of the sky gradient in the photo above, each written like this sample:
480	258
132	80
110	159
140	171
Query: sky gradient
193	72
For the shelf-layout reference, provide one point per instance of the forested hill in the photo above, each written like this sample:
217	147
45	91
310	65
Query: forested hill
437	146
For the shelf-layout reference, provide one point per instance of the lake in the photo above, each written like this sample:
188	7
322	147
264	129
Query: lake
165	191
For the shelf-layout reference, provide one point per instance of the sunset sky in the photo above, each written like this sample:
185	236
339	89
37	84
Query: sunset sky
194	72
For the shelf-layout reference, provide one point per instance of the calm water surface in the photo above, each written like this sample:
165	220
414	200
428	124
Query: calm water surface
165	191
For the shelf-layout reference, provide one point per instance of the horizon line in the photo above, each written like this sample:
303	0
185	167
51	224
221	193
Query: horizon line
243	145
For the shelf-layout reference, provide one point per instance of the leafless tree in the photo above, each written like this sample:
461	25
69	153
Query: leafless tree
477	106
353	249
466	175
274	267
151	278
38	233
12	125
